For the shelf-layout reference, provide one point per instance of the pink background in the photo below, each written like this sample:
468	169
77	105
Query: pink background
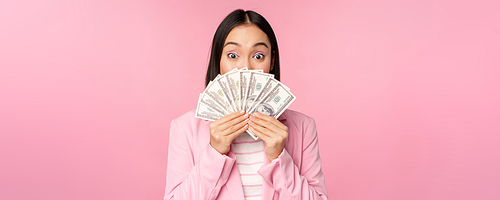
405	93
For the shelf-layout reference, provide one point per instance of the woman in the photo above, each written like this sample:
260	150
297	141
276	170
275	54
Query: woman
218	160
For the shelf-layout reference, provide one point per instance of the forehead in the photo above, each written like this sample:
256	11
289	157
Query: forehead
247	35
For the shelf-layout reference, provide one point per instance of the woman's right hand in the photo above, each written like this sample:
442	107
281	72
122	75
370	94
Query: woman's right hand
224	130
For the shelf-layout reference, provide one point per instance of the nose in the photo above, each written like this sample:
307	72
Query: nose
245	63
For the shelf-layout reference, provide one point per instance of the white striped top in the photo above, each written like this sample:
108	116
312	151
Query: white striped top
250	156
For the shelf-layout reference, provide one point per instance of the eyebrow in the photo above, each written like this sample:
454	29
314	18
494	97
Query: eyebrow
256	44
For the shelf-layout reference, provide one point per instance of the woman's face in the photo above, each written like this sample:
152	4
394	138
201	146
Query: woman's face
246	46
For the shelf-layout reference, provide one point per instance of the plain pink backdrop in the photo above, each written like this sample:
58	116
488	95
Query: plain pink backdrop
405	94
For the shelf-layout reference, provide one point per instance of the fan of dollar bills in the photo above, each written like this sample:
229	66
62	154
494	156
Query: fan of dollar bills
250	90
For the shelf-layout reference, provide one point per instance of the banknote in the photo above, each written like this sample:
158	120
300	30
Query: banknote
251	90
270	84
255	85
244	81
225	89
265	108
205	112
276	102
216	92
208	101
233	82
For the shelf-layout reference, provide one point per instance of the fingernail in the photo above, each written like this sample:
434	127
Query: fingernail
250	122
246	115
246	120
256	114
242	111
252	117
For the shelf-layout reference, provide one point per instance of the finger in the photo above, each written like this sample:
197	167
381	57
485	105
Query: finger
264	123
228	124
270	119
231	116
261	129
239	131
236	127
259	134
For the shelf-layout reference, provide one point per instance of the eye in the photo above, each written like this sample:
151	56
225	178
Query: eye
232	55
258	56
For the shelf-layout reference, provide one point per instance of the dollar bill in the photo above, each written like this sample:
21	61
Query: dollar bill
217	93
233	82
276	102
270	84
225	89
205	112
251	90
256	83
208	101
244	81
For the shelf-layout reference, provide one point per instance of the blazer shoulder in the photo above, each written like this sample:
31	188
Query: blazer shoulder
297	121
297	116
189	118
189	124
189	115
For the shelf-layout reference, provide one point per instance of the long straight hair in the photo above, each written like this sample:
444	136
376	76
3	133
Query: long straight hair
236	18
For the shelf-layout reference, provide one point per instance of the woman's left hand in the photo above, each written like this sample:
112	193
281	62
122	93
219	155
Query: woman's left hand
271	131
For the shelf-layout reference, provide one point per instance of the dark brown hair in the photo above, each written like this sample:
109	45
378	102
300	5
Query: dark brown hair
236	18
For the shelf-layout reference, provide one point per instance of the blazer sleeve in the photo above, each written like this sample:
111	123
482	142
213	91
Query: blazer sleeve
188	178
289	181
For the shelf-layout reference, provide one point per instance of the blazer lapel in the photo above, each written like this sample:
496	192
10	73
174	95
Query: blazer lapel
282	117
233	184
267	191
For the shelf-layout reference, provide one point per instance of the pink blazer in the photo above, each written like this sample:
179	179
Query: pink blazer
197	171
